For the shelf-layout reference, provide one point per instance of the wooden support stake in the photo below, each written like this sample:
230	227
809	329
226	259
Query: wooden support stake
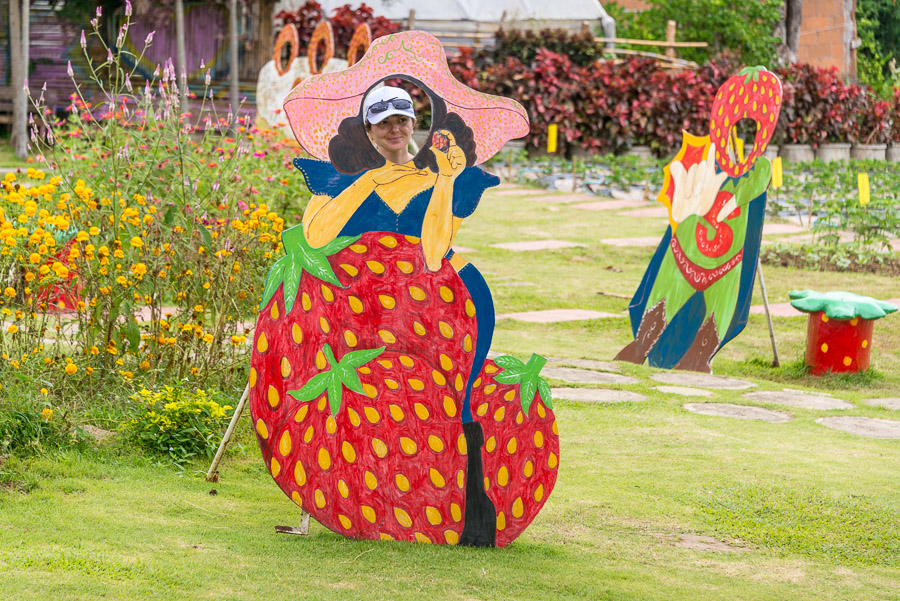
574	173
302	529
670	39
762	287
411	20
213	475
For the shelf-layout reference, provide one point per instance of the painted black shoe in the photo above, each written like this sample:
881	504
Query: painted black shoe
480	528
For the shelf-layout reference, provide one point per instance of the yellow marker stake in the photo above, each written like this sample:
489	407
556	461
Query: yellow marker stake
738	145
777	174
552	133
863	181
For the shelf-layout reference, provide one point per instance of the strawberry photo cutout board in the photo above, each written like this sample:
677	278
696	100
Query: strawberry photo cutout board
695	295
374	404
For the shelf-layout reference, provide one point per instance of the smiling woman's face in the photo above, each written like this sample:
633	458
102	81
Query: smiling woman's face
391	135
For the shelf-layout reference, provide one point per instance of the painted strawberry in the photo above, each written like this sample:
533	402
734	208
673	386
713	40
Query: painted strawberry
521	450
754	93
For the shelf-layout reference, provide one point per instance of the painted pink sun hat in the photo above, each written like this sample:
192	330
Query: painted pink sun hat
316	107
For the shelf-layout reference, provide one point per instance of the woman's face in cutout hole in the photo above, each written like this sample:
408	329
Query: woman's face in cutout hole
393	134
388	138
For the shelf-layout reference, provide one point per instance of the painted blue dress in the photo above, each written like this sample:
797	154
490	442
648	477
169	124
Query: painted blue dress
374	215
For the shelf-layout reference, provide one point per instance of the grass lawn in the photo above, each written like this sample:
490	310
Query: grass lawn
652	502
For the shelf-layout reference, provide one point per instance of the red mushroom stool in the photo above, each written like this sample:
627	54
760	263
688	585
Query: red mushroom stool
839	331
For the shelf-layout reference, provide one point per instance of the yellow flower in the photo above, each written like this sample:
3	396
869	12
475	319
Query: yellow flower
34	258
137	242
94	231
208	338
89	370
121	280
139	269
47	413
12	329
10	292
71	369
198	308
145	365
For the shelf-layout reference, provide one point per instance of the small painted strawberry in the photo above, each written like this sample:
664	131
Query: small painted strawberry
374	449
754	93
521	449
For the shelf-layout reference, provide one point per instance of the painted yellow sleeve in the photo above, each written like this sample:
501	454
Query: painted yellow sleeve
325	217
438	227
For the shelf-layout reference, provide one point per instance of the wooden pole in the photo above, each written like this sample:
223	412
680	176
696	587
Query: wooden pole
670	39
212	475
762	287
19	133
181	54
411	21
233	74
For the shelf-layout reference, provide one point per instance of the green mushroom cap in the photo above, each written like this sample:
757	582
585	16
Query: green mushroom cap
840	305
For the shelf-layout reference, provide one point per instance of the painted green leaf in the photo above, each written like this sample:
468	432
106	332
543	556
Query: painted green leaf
360	358
511	375
544	390
273	281
292	274
527	390
338	244
334	393
312	389
507	362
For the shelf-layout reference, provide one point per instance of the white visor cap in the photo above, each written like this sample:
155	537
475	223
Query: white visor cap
382	99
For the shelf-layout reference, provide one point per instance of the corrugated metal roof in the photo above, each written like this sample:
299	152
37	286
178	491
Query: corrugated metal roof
473	10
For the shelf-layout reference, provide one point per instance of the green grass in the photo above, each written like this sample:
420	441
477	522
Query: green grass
808	512
8	158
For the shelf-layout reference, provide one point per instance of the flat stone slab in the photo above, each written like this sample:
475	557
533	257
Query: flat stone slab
683	391
776	310
561	198
801	400
517	192
657	212
585	363
515	284
887	403
738	412
557	315
607	205
698	380
596	395
645	241
463	249
704	543
536	245
863	426
770	229
585	376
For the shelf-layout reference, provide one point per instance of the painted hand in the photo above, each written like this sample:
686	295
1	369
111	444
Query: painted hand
451	161
696	188
391	172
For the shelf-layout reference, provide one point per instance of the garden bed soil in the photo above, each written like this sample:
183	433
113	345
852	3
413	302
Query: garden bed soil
798	259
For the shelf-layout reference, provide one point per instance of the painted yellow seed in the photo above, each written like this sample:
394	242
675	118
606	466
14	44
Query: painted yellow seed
387	337
284	444
371	414
528	469
327	294
482	409
487	483
423	538
345	521
369	514
285	367
350	338
385	364
274	311
824	347
520	417
470	308
324	459
406	361
405	266
370	391
460	479
510	395
419	328
320	498
412	239
402	482
435	443
387	301
392	384
343	489
451	537
348	452
490	388
306	301
438	378
416	293
385	536
467	343
262	343
408	445
358	248
455	512
388	241
555	428
396	413
539	493
371	480
518	508
538	439
446	294
446	330
542	413
299	474
321	362
350	269
512	445
865	343
308	434
436	478
323	402
461	444
502	476
354	417
375	267
252	379
499	414
491	368
402	518
490	444
379	447
323	323
501	521
355	304
847	361
421	411
433	515
275	467
301	413
416	384
458	383
261	429
449	406
273	396
296	334
552	461
446	363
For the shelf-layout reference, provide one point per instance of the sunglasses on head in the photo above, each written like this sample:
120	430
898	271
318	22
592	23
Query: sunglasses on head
400	104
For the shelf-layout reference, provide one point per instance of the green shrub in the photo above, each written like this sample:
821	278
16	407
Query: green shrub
31	432
177	423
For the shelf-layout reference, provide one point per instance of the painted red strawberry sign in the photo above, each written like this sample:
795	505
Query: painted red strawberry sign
375	406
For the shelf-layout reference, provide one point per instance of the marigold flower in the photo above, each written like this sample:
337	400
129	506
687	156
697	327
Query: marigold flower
10	292
71	369
13	328
46	413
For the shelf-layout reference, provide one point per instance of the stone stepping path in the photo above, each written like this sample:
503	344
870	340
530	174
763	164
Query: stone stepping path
607	205
585	364
645	241
887	403
682	391
863	426
738	412
596	395
558	315
514	284
561	198
657	212
463	249
777	310
698	380
584	376
517	192
536	245
801	400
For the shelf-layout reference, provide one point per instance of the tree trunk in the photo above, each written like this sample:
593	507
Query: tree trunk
19	134
233	71
789	31
181	65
